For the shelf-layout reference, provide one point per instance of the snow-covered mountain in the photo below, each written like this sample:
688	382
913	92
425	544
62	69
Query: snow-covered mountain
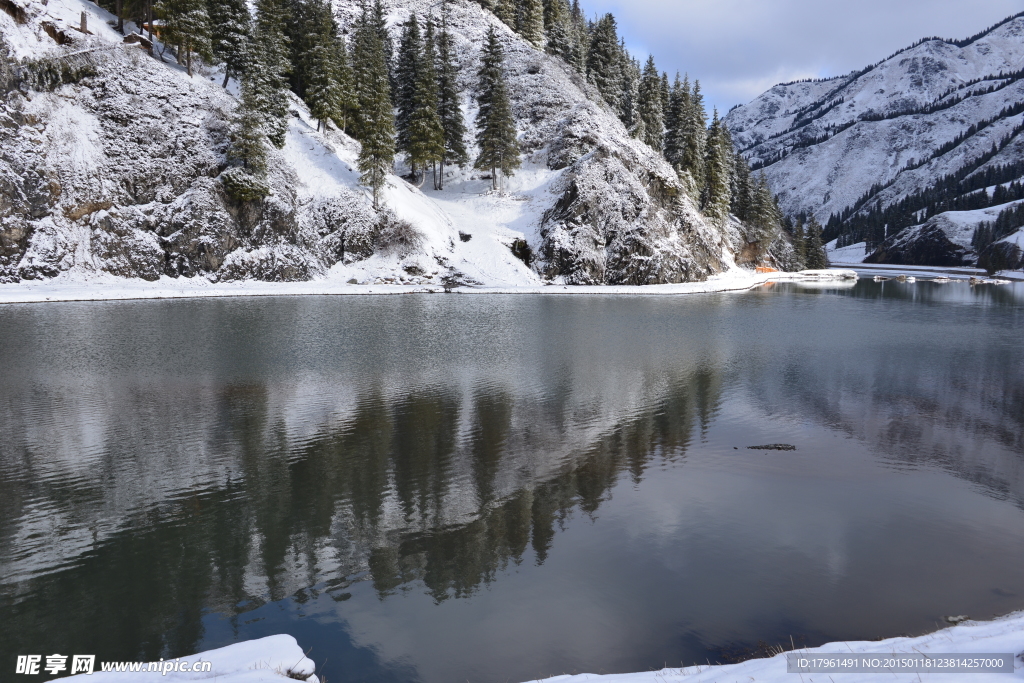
109	160
868	140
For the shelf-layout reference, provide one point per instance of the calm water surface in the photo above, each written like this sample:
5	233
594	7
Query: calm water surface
486	488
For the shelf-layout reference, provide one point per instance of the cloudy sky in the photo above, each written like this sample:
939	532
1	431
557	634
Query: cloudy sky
740	48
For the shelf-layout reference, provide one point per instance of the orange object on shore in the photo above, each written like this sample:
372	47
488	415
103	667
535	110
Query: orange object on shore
766	269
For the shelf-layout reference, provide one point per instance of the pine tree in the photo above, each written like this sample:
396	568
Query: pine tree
694	137
229	41
245	179
604	67
410	54
580	37
717	181
426	134
507	11
379	21
555	12
448	105
347	107
187	28
301	29
650	126
741	196
799	245
496	130
765	215
666	92
376	122
530	23
322	86
816	259
560	40
630	97
679	100
267	69
247	147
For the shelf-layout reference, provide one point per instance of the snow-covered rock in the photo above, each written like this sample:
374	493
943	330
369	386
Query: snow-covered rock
889	129
274	658
109	163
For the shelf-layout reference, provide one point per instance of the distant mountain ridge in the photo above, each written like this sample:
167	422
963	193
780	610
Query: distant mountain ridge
871	153
876	135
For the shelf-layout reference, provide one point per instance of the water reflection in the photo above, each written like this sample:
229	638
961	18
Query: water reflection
166	466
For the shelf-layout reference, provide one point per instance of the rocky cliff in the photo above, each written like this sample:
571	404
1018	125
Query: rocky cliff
110	157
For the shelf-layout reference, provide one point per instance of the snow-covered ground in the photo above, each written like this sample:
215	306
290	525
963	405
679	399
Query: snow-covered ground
1005	635
274	658
280	658
107	287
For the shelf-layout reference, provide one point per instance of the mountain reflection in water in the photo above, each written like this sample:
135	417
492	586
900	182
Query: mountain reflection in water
177	475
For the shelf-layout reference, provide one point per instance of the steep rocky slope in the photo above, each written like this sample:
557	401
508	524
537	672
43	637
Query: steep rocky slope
109	162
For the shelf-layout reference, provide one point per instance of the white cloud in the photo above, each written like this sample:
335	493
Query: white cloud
739	48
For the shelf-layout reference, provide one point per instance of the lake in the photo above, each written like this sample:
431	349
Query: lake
492	488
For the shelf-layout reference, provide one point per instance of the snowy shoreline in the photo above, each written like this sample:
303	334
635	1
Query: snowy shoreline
1004	635
117	289
275	657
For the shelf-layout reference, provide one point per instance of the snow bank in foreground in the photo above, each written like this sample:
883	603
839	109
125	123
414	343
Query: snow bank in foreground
279	657
1004	635
108	288
274	658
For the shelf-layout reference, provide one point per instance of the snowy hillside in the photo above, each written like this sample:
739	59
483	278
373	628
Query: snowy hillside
875	136
109	164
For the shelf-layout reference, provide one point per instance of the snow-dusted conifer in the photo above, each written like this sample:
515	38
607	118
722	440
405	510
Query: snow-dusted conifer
248	148
581	37
410	54
448	105
232	21
560	41
426	136
629	99
245	180
650	126
555	12
496	129
673	118
765	215
267	69
530	23
604	67
507	11
379	21
187	28
741	188
717	192
816	258
666	92
346	107
322	90
799	245
694	130
376	116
